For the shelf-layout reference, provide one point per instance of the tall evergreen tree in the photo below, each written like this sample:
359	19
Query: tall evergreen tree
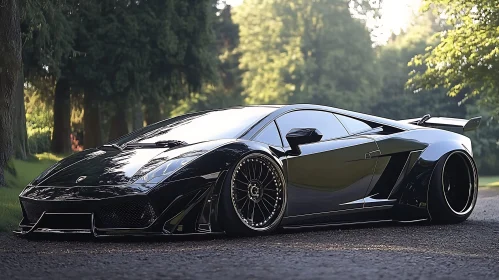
48	39
144	50
179	57
226	90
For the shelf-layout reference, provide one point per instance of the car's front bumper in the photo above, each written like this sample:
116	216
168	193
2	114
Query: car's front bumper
92	216
179	207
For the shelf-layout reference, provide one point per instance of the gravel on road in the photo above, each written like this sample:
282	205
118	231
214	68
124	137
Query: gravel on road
469	250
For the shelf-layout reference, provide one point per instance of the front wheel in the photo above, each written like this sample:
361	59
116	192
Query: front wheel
454	188
253	196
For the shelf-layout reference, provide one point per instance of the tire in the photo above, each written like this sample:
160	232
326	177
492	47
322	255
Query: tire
253	198
453	188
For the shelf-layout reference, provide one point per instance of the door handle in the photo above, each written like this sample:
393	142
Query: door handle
373	154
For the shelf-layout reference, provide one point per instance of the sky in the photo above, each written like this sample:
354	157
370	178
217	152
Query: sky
396	16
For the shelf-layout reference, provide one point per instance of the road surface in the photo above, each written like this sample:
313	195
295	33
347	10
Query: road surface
466	251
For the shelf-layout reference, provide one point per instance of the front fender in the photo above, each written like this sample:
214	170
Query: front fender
190	197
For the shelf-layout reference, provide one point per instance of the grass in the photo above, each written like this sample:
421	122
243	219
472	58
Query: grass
10	211
489	181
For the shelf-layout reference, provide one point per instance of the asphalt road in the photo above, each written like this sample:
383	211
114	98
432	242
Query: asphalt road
466	251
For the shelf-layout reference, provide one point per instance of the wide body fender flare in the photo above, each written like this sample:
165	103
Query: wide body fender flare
413	194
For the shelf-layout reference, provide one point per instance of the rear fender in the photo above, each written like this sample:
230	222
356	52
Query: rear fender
413	193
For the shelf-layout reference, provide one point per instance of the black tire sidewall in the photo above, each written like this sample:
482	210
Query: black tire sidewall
230	221
439	209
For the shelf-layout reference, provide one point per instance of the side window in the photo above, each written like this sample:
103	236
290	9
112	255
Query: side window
354	126
325	122
269	135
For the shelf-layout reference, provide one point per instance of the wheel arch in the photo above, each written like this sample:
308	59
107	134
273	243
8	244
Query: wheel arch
414	193
238	150
204	178
443	162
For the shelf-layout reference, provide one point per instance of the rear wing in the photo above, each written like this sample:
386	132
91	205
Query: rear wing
450	124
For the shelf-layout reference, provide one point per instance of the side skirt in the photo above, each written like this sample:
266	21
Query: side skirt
342	224
360	214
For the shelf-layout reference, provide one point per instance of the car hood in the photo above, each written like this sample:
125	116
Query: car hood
112	167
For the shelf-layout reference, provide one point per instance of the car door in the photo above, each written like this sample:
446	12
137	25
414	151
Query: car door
329	175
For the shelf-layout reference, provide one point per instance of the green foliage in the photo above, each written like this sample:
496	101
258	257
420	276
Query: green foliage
489	181
47	38
399	102
39	142
118	52
461	63
225	90
306	51
39	121
39	116
467	55
395	100
486	139
144	51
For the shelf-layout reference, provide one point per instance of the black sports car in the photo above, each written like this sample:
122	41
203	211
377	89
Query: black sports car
254	169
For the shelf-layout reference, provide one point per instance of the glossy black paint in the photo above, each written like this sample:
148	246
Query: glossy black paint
376	174
328	174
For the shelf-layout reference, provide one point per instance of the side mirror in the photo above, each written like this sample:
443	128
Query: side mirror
300	136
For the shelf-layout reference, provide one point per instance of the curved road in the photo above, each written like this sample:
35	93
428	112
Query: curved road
466	251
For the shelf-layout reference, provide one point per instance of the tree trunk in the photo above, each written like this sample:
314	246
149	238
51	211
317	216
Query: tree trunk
137	115
119	125
10	67
92	135
61	139
153	112
20	134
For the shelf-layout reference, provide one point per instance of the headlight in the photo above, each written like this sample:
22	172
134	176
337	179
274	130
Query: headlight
163	171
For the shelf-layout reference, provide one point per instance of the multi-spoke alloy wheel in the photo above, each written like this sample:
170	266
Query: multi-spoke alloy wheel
257	192
454	188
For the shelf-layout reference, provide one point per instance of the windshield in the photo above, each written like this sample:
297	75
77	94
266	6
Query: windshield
199	127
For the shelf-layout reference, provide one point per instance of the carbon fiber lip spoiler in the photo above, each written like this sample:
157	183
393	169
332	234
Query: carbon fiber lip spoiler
450	124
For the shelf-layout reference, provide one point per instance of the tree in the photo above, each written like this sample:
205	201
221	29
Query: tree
464	63
306	51
20	136
178	59
62	117
48	38
142	51
466	57
10	68
226	90
395	100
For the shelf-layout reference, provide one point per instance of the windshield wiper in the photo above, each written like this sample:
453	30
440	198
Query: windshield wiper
159	144
114	146
170	143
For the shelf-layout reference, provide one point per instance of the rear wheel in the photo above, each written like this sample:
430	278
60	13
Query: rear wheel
454	188
253	196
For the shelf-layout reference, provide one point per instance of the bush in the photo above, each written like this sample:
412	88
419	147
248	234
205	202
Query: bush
39	142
